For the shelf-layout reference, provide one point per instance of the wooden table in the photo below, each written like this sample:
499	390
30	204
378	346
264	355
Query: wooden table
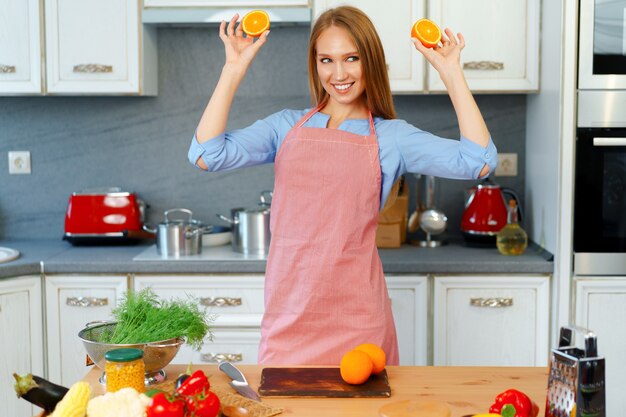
466	390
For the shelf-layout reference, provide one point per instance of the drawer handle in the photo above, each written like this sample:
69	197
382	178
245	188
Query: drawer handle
483	65
491	302
86	302
221	357
93	68
220	301
6	69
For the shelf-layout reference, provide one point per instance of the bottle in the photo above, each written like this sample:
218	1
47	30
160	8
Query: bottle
512	239
124	368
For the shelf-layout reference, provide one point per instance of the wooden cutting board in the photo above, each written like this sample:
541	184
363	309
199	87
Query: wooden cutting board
319	382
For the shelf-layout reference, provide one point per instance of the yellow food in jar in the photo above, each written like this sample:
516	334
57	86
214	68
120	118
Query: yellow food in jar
124	368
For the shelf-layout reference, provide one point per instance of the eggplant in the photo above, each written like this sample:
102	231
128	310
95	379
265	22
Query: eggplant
39	391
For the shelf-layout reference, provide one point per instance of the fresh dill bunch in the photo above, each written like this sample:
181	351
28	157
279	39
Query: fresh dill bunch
142	317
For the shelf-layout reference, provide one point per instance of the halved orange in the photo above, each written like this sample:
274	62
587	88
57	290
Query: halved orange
256	22
427	32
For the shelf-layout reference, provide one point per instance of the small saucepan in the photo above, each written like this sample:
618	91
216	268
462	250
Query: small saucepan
179	236
251	227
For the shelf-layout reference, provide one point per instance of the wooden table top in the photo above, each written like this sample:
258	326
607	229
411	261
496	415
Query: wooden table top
465	390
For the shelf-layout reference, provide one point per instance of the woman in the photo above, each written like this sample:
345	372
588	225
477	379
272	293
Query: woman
335	164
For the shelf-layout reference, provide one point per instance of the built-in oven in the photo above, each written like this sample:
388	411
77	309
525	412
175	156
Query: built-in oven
600	187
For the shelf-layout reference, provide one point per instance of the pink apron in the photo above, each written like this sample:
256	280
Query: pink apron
325	292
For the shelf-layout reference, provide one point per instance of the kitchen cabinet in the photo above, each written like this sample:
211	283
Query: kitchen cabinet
21	327
224	3
502	51
237	302
491	320
20	47
93	47
72	301
99	47
601	308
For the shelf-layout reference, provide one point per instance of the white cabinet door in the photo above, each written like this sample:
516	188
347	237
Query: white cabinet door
72	301
21	350
491	320
409	304
393	22
20	47
235	300
99	47
601	308
502	42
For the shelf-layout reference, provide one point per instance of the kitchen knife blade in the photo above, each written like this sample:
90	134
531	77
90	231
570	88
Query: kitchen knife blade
239	381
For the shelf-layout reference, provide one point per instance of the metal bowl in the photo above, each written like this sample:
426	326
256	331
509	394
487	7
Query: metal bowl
156	355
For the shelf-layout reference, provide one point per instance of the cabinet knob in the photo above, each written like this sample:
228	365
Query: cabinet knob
221	357
483	65
93	68
495	302
220	301
6	69
86	301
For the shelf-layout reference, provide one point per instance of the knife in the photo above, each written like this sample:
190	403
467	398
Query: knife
239	382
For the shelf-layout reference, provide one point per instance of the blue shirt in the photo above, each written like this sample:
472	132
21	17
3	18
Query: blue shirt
402	148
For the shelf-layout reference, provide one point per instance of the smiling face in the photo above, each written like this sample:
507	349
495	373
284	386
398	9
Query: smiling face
339	67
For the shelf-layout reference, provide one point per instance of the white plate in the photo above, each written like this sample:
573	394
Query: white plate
216	239
8	254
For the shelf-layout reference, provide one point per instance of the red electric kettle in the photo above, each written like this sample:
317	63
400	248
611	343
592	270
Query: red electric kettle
486	212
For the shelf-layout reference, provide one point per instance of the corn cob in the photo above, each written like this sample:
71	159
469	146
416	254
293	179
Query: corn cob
74	403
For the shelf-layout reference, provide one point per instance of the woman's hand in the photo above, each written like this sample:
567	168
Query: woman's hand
446	59
240	50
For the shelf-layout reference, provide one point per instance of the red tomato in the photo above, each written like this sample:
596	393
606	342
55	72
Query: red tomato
204	404
164	405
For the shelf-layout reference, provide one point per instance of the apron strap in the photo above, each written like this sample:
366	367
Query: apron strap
317	108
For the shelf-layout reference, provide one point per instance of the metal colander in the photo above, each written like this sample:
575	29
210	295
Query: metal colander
156	355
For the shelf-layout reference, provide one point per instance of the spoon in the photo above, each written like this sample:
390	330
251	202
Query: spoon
232	411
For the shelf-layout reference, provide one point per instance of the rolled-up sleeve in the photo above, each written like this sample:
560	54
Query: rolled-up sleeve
253	145
425	153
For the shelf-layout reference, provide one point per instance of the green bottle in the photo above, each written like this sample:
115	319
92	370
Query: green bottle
512	239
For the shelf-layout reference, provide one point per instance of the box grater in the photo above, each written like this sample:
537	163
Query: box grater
576	381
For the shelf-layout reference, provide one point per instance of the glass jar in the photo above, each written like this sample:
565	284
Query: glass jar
124	368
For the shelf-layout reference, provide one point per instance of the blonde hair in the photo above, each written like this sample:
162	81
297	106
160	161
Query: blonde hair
372	56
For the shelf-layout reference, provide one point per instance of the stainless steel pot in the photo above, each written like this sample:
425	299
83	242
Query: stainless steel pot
179	237
251	227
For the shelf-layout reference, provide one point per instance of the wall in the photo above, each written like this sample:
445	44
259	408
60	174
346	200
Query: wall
140	143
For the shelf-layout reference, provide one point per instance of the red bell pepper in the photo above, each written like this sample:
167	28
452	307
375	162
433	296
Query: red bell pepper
203	404
514	403
195	384
165	405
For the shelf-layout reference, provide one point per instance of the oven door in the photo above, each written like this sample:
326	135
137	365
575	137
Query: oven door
602	44
600	201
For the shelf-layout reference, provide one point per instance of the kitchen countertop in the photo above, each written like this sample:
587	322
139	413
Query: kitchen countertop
59	257
465	390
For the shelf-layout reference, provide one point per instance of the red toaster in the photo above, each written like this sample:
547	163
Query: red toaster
104	215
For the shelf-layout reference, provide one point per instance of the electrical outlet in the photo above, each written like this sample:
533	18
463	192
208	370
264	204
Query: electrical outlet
507	165
19	162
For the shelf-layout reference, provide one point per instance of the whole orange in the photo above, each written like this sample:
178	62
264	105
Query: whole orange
355	367
376	354
427	32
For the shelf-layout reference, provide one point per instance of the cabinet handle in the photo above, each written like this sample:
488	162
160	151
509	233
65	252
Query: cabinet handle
5	69
491	302
220	301
93	68
221	357
86	301
483	65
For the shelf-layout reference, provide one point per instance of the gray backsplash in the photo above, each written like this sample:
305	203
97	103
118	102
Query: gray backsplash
140	143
